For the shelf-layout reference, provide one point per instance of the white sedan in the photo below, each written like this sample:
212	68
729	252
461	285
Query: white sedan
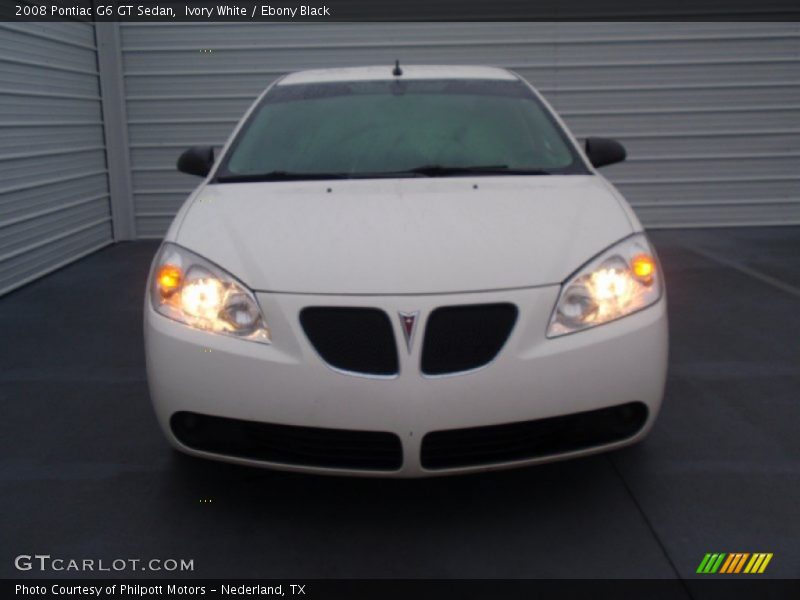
404	271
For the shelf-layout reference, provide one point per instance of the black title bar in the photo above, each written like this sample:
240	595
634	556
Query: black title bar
167	11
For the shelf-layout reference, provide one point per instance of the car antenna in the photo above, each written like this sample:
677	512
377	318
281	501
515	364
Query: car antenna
397	71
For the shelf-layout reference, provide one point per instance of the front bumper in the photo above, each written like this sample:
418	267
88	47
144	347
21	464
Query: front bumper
287	383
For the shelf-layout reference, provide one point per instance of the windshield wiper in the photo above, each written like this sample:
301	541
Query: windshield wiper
444	171
422	171
280	176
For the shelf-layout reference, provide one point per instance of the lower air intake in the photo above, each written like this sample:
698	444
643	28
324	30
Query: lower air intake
531	439
288	444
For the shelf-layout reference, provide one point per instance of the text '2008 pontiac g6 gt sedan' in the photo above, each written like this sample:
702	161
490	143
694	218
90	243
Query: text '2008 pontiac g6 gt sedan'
404	271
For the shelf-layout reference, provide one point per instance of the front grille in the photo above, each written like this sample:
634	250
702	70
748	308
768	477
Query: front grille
462	338
287	444
531	439
359	340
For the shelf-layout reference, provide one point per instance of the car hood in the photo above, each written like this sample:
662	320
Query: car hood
403	236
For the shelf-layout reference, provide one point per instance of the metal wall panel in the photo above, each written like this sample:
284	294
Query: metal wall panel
54	202
710	112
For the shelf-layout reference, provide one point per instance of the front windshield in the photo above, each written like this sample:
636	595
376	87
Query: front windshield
396	126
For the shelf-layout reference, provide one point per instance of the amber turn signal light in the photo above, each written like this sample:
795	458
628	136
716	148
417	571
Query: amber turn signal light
169	279
644	267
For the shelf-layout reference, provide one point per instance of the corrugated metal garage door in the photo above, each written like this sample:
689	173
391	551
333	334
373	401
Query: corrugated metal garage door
54	204
710	112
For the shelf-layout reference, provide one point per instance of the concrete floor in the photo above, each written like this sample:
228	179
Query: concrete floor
85	472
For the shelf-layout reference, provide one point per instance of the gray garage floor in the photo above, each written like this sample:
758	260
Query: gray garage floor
85	472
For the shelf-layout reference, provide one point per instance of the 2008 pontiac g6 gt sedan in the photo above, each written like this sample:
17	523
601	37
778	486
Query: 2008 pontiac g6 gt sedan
404	271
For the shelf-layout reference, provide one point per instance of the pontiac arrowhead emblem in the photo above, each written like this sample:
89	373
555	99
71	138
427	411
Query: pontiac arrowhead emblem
408	321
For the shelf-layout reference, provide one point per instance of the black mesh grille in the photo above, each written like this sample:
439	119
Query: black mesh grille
460	338
531	439
352	339
287	444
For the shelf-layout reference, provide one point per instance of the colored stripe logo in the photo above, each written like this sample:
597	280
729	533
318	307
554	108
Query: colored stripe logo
734	563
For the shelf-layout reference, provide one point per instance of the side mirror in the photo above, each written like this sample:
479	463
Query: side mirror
604	151
197	160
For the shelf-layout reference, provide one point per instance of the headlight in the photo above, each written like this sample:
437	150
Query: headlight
189	289
620	281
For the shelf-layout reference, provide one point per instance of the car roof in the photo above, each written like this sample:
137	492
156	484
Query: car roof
385	72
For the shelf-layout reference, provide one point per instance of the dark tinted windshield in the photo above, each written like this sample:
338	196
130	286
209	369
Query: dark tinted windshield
395	126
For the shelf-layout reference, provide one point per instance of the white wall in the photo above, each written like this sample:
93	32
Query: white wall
54	201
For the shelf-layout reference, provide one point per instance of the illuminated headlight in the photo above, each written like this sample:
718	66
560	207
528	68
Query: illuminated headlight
189	289
620	281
